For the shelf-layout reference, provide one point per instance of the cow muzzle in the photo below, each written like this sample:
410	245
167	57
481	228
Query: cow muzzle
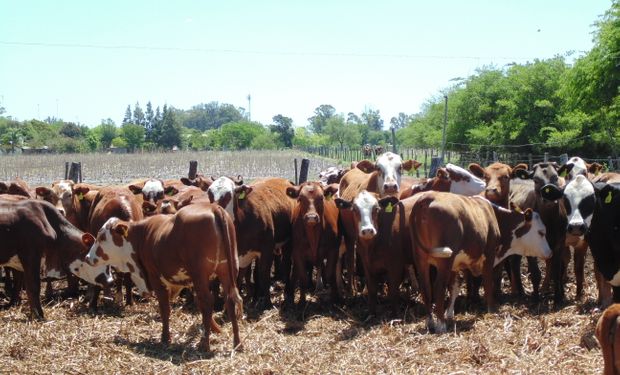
367	233
390	187
312	218
577	229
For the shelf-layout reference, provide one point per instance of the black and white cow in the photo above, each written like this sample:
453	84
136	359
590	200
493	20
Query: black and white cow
576	166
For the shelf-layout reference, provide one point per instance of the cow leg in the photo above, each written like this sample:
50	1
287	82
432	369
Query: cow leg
454	292
93	291
163	298
350	259
331	275
263	301
616	290
535	277
289	289
304	280
14	285
128	284
439	294
424	280
579	260
234	303
473	288
32	282
49	290
371	284
73	286
205	300
513	265
558	274
604	289
487	280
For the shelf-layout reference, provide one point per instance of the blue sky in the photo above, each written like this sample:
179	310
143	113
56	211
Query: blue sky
88	60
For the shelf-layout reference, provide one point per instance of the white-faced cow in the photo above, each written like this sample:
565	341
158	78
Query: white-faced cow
165	253
452	178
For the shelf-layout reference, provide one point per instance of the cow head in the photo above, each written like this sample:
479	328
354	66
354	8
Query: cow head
153	191
310	201
113	248
578	198
389	168
366	208
497	177
577	166
542	174
60	195
222	191
527	233
462	181
331	175
100	275
199	181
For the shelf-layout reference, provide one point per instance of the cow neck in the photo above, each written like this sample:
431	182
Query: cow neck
507	221
136	235
373	183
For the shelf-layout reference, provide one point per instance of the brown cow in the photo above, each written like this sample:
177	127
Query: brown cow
198	181
452	178
165	253
262	214
315	236
30	229
453	233
609	339
154	191
16	187
383	178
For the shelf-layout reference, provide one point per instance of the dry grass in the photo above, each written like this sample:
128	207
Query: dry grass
520	338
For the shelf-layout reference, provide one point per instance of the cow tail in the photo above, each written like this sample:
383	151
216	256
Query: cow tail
436	252
231	260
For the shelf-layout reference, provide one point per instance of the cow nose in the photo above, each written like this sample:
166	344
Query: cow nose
367	233
390	187
491	191
577	229
312	218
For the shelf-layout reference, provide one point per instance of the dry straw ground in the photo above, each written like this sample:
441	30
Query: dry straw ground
522	338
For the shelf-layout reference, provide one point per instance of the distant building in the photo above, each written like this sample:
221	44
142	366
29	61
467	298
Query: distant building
26	150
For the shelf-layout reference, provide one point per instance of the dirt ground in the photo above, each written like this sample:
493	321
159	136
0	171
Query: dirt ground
521	338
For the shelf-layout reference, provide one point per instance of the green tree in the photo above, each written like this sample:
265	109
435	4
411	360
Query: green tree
239	135
322	113
133	134
127	118
170	129
211	116
106	132
400	121
341	133
373	119
71	130
138	116
283	127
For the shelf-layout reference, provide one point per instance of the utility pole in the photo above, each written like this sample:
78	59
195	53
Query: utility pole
445	123
249	108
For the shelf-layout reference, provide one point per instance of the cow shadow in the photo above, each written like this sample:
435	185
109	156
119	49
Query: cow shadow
177	352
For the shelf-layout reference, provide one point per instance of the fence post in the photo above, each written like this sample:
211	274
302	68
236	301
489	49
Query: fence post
425	160
611	163
66	170
529	160
563	159
546	157
494	156
303	171
193	169
435	164
295	162
75	172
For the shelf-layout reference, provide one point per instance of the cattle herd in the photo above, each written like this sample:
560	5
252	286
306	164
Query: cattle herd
351	231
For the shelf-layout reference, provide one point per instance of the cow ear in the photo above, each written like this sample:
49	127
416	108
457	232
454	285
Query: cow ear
88	239
242	191
523	174
343	204
80	191
239	180
594	168
187	181
135	189
514	207
476	169
409	164
366	166
565	169
293	191
551	192
148	206
122	229
528	213
330	191
171	190
43	191
388	203
606	192
442	173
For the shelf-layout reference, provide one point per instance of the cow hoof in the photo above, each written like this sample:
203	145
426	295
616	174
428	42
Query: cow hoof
203	345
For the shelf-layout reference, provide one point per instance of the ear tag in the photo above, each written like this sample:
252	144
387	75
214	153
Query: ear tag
328	196
242	194
170	193
563	174
547	190
125	232
80	196
518	209
389	208
608	198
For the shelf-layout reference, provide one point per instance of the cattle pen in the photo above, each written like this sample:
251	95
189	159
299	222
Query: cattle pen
522	337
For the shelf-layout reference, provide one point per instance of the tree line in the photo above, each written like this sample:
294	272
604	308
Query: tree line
546	104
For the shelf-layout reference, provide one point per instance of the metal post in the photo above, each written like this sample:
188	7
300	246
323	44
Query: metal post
445	123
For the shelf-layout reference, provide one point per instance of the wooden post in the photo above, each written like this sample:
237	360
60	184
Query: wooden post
66	170
425	159
303	171
75	172
610	166
435	164
529	160
546	157
193	168
296	180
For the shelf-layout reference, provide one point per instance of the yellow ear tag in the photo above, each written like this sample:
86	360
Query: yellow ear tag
389	207
125	232
242	194
80	196
563	174
608	198
547	190
170	193
328	196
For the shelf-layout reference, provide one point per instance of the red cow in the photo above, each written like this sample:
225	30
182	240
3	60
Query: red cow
609	339
165	253
315	236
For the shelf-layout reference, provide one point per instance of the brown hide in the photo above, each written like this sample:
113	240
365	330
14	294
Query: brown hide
609	339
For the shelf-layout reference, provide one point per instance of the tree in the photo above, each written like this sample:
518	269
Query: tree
211	116
239	135
170	129
373	119
149	117
138	116
70	130
400	121
322	113
106	132
127	118
283	127
352	118
341	133
133	134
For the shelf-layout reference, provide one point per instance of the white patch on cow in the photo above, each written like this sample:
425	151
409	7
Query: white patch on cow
365	204
441	252
181	276
118	256
532	244
468	184
14	263
462	261
575	192
89	273
165	205
153	188
53	273
454	292
219	188
389	165
126	205
247	258
616	279
579	167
